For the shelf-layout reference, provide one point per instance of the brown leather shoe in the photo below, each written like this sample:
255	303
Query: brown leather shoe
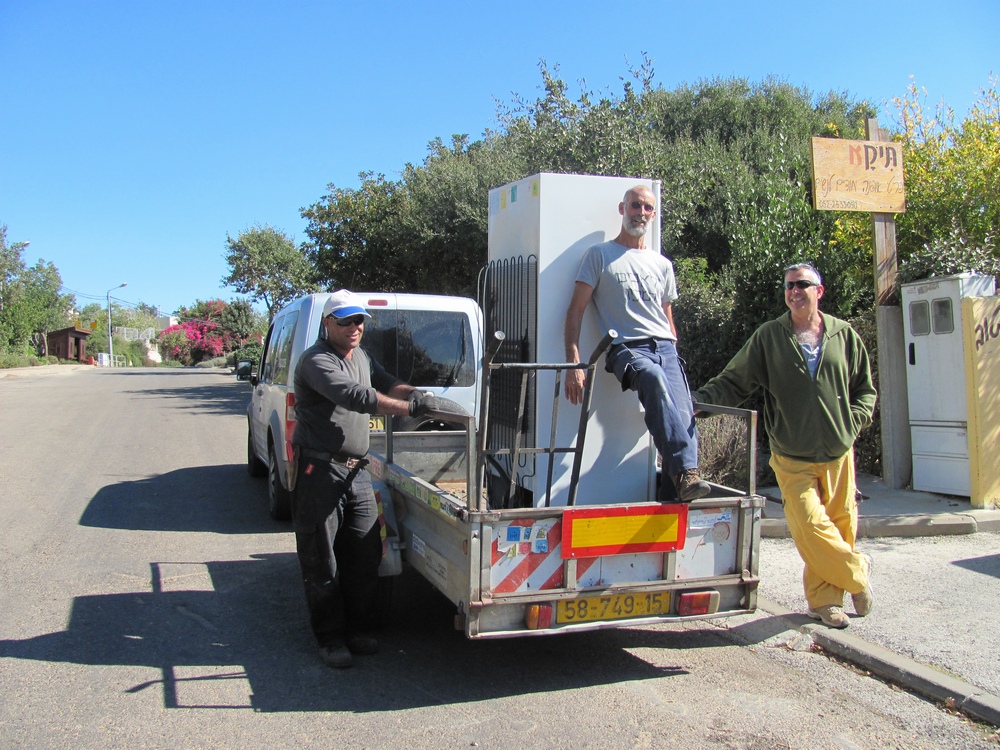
690	485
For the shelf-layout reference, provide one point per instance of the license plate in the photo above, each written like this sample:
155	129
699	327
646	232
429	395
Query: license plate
612	607
376	423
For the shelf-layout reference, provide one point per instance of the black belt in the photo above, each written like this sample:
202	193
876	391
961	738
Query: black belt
335	458
653	342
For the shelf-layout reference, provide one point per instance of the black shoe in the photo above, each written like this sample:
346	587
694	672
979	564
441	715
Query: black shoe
362	644
336	656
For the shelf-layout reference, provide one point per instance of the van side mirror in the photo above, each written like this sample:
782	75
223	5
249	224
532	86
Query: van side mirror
244	369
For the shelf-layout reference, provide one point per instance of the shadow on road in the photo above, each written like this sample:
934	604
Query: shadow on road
988	565
221	499
234	634
225	397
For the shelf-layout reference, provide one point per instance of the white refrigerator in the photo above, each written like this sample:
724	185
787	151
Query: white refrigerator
548	221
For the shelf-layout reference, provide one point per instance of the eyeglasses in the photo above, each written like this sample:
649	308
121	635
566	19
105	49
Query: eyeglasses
354	320
647	207
800	283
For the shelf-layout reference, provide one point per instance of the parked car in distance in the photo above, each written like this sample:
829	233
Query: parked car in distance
430	341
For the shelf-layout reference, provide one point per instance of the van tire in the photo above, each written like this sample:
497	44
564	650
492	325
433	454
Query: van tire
255	467
279	500
426	424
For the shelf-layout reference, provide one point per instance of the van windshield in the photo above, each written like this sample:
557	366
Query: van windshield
422	347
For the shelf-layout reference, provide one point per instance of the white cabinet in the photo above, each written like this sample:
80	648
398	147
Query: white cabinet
936	379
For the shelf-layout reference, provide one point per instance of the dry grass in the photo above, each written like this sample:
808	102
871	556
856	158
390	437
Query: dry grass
722	450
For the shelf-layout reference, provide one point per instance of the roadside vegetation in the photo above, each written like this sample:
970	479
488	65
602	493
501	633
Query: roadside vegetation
733	158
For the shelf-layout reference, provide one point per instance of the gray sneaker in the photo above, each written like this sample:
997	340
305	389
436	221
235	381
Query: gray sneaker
831	615
864	601
690	485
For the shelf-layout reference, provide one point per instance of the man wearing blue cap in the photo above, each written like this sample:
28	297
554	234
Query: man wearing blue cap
334	511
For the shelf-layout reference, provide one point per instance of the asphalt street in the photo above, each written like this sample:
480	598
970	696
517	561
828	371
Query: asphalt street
933	630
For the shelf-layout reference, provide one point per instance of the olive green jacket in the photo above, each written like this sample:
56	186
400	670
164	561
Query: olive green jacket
806	419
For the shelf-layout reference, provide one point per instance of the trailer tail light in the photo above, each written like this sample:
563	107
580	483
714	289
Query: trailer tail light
698	603
289	424
538	616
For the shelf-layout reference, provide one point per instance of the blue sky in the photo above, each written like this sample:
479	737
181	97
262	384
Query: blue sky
138	133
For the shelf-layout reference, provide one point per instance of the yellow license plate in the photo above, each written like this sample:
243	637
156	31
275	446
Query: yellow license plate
376	424
612	607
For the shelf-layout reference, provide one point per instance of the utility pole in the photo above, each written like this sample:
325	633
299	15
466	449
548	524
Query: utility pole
897	457
111	345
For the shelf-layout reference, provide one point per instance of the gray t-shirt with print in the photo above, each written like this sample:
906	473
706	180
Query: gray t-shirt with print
630	287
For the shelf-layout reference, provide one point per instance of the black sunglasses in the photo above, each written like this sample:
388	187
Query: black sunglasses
800	283
636	205
354	320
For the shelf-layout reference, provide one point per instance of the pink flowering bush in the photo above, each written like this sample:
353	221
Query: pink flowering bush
193	341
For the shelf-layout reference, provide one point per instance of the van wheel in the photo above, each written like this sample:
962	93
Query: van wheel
279	500
426	424
255	467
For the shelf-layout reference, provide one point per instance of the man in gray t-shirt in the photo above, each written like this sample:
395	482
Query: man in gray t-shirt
633	288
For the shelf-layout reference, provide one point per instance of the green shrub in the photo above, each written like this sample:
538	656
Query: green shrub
868	446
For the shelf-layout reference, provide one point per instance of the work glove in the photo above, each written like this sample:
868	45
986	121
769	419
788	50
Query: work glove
421	403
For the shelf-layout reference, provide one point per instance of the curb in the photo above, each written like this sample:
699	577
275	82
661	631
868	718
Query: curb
944	524
917	677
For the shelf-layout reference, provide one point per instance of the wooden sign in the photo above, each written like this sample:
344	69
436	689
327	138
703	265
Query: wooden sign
858	176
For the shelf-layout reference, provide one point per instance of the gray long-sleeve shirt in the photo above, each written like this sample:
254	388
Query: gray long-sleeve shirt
334	396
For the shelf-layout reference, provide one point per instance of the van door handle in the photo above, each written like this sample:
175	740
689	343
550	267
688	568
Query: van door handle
913	354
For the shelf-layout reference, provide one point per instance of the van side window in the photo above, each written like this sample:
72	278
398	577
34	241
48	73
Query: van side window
264	372
423	347
283	348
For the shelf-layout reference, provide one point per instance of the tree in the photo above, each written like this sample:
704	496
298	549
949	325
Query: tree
265	264
31	304
356	239
241	320
951	174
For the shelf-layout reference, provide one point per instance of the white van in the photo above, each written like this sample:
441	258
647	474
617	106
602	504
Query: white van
430	341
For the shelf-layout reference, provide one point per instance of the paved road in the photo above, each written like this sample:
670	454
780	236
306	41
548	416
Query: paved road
147	600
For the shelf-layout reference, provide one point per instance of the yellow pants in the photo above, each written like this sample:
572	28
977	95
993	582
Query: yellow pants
822	515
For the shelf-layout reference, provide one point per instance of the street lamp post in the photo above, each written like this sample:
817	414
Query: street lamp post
111	345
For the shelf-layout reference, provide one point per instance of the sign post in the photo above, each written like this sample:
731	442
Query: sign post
868	176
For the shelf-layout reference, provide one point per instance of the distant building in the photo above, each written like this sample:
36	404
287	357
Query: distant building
68	343
165	321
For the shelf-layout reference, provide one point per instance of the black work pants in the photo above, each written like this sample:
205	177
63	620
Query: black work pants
339	547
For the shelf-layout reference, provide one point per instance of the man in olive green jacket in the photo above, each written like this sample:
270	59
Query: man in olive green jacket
816	380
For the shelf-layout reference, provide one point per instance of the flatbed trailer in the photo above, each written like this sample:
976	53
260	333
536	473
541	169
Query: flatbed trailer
530	571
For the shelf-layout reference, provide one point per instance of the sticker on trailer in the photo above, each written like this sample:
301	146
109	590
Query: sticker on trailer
590	532
526	556
702	519
517	539
434	563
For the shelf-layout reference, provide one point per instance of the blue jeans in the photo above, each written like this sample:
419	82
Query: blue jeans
652	369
